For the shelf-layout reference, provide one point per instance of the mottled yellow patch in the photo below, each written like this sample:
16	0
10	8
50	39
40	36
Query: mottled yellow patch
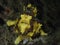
35	11
37	27
33	8
25	18
42	33
18	39
10	22
30	34
29	5
24	23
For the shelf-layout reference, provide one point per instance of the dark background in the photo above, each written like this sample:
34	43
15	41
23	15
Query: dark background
48	14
